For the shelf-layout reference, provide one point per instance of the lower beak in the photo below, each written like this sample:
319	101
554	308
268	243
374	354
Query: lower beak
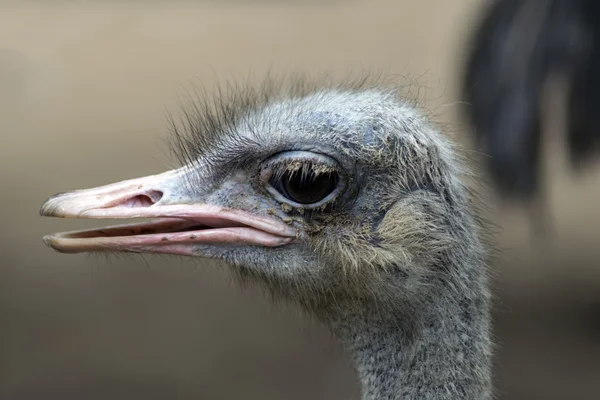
178	226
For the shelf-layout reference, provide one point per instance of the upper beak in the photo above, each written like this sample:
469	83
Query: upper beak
180	224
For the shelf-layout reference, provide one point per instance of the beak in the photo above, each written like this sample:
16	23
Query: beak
178	225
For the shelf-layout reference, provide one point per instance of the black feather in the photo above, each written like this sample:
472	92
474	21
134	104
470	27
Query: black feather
517	47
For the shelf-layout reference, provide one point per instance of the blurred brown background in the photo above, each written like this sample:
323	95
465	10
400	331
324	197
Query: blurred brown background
84	87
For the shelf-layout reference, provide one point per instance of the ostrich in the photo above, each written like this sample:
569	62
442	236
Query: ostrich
341	198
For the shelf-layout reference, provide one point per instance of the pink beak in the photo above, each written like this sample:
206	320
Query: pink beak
178	226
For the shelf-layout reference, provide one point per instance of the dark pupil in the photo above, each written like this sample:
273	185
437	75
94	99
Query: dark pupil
306	187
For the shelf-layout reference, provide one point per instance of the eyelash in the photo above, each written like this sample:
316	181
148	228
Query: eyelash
292	167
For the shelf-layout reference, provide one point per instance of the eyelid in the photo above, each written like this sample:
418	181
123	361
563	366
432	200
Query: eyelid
301	156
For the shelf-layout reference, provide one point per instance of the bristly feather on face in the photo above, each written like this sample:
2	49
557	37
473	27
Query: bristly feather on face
208	119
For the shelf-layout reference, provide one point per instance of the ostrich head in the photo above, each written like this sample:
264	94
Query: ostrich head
345	200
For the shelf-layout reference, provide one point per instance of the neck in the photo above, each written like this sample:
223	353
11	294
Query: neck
445	354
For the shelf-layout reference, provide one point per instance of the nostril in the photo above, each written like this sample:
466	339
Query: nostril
154	195
146	199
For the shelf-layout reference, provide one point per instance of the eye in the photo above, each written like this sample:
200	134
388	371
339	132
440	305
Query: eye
303	178
305	186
